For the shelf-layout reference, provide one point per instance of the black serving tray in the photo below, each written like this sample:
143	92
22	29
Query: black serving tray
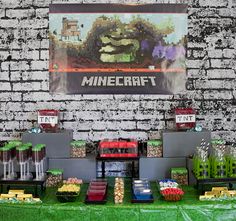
201	183
64	198
134	200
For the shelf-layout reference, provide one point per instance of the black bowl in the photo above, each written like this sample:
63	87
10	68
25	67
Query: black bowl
66	197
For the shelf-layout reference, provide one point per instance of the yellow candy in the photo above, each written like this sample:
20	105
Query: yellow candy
69	188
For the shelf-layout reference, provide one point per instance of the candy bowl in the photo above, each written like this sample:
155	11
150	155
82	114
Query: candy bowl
68	193
64	197
172	197
172	194
73	180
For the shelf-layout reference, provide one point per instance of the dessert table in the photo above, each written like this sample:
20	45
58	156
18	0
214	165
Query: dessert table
189	208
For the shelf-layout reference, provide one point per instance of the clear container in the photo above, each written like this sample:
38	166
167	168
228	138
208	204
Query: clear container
54	177
118	148
98	183
13	152
219	163
78	149
215	143
154	148
5	154
140	181
143	194
29	149
22	154
119	190
96	195
141	189
95	187
12	148
44	151
180	174
201	164
97	190
38	152
140	185
13	144
231	161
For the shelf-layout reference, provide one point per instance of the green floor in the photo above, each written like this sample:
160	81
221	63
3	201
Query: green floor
190	208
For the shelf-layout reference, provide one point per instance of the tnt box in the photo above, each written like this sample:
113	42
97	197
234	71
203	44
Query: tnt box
185	118
48	120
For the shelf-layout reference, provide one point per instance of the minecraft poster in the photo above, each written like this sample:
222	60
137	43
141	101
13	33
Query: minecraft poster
117	49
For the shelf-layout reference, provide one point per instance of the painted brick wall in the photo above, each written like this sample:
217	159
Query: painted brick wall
24	83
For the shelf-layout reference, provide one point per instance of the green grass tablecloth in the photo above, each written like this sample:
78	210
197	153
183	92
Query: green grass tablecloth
189	208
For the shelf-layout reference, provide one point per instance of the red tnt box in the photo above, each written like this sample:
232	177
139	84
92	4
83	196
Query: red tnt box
48	120
185	118
118	148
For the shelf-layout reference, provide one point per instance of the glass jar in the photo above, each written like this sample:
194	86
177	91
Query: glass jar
201	164
195	158
14	144
204	167
5	153
231	161
180	175
36	154
118	148
219	164
12	149
154	148
28	147
215	143
119	190
78	148
22	154
54	177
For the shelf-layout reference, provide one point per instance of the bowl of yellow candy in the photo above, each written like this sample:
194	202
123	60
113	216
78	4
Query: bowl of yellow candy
68	193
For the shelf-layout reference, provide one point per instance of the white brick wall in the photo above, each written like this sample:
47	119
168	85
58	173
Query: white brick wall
5	86
2	13
19	13
213	3
221	73
9	23
24	82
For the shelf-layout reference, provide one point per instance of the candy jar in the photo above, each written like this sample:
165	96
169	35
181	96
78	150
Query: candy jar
54	177
180	175
231	161
202	165
78	148
38	158
201	162
219	164
154	148
22	157
6	159
215	143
